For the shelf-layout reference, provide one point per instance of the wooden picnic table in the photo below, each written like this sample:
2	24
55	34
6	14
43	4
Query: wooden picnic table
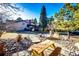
37	49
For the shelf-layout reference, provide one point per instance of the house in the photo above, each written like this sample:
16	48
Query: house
20	25
16	26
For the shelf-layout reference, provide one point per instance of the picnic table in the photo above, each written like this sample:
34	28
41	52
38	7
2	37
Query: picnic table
38	49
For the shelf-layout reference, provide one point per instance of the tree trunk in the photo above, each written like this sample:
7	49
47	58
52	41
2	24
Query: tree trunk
43	29
68	35
50	32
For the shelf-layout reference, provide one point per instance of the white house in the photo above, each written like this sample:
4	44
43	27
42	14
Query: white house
15	26
18	24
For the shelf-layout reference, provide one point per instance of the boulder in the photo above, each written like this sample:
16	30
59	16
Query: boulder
21	53
56	36
34	39
77	45
9	36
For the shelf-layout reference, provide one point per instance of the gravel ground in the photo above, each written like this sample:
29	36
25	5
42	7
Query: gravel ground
68	48
11	46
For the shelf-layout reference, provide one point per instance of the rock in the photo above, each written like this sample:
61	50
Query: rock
56	35
77	45
7	36
21	53
12	46
65	51
34	39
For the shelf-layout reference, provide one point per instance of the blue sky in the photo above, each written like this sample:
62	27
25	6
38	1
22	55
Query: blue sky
32	10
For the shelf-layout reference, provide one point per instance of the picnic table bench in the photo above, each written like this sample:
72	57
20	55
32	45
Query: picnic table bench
38	49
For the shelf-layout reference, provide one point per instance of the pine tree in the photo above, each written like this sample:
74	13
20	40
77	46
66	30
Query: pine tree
43	18
35	21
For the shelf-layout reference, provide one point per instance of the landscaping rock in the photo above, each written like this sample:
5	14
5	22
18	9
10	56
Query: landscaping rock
21	53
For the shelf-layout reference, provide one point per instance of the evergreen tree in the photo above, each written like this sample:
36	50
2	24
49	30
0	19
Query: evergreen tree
43	18
71	12
19	19
50	20
35	21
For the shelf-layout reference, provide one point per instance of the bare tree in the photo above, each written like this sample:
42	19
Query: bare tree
8	9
